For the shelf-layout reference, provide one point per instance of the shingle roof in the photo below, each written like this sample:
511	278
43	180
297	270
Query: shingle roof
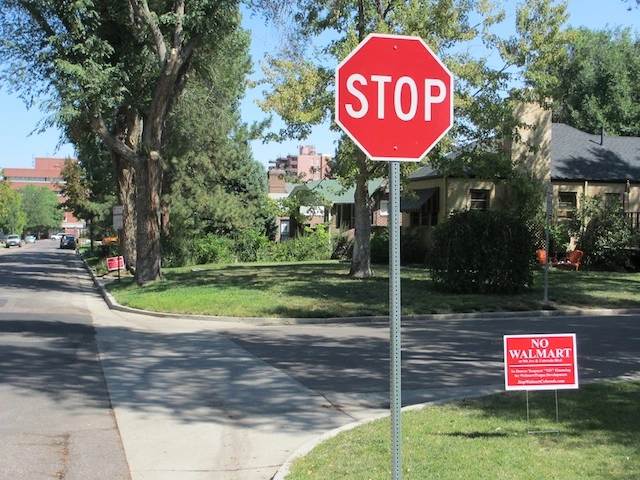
576	155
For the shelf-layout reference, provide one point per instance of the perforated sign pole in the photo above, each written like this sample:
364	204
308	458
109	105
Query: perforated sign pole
394	98
395	320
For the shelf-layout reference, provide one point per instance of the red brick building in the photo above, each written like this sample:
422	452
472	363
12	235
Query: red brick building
45	173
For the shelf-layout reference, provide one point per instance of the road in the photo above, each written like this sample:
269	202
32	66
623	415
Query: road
55	416
350	363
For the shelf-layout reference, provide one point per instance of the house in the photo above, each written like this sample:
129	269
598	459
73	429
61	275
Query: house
45	173
572	161
340	214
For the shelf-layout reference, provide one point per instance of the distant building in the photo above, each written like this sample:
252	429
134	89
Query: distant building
306	166
46	173
287	172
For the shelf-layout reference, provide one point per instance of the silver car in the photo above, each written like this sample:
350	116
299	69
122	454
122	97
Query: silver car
13	241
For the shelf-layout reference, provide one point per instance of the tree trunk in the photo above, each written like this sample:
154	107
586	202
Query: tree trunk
361	259
128	132
128	192
149	181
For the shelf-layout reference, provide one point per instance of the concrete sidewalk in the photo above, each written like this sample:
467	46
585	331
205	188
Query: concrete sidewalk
191	404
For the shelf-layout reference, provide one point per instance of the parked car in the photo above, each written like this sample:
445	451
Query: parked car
30	239
13	241
68	241
57	236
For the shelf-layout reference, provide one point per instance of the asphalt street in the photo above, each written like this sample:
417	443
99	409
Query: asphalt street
55	416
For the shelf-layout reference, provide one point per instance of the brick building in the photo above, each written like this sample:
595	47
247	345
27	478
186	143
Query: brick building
45	173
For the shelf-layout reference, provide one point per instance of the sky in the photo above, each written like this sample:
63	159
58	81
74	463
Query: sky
21	143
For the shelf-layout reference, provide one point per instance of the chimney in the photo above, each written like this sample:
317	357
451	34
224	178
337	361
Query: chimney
601	135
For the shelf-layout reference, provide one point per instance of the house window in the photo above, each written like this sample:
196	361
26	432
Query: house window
427	214
567	203
614	199
384	207
345	216
480	199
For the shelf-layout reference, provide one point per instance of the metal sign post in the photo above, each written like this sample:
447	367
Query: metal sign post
395	320
546	260
394	98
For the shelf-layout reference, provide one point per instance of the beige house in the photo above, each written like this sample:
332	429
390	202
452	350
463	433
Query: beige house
574	162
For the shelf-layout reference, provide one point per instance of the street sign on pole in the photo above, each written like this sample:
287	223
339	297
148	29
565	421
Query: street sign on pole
118	217
394	98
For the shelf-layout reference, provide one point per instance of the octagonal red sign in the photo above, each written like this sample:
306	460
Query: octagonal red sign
394	97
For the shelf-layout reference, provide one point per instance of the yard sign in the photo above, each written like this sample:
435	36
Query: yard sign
115	263
540	362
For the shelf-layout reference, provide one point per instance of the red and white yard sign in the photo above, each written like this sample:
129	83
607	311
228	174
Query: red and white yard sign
540	362
115	263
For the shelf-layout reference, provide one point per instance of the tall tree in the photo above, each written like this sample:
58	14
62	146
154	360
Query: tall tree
215	185
599	82
323	32
86	194
121	66
42	208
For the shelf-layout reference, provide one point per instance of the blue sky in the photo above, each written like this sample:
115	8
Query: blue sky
19	146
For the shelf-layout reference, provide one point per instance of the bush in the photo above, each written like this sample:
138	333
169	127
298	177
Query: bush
311	245
213	249
412	249
247	245
380	246
341	246
478	252
604	234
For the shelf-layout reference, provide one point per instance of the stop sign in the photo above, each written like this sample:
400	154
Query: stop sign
394	97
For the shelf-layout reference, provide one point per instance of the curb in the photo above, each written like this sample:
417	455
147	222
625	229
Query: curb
285	468
257	321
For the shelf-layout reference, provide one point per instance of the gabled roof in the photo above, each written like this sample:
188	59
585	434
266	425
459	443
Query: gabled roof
334	191
576	155
426	171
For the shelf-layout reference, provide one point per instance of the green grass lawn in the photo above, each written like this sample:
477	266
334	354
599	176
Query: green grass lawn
487	438
324	289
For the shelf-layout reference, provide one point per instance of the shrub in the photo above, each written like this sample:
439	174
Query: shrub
603	233
213	249
311	245
477	252
380	246
247	245
412	249
341	246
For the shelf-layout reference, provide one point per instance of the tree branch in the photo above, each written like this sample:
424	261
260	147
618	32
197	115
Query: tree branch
178	33
110	140
142	12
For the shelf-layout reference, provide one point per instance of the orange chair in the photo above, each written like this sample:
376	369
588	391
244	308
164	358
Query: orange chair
541	254
573	261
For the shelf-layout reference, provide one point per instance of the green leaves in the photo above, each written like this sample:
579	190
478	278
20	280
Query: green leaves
482	252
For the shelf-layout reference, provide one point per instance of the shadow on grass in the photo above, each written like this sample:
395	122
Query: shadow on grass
603	412
331	292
